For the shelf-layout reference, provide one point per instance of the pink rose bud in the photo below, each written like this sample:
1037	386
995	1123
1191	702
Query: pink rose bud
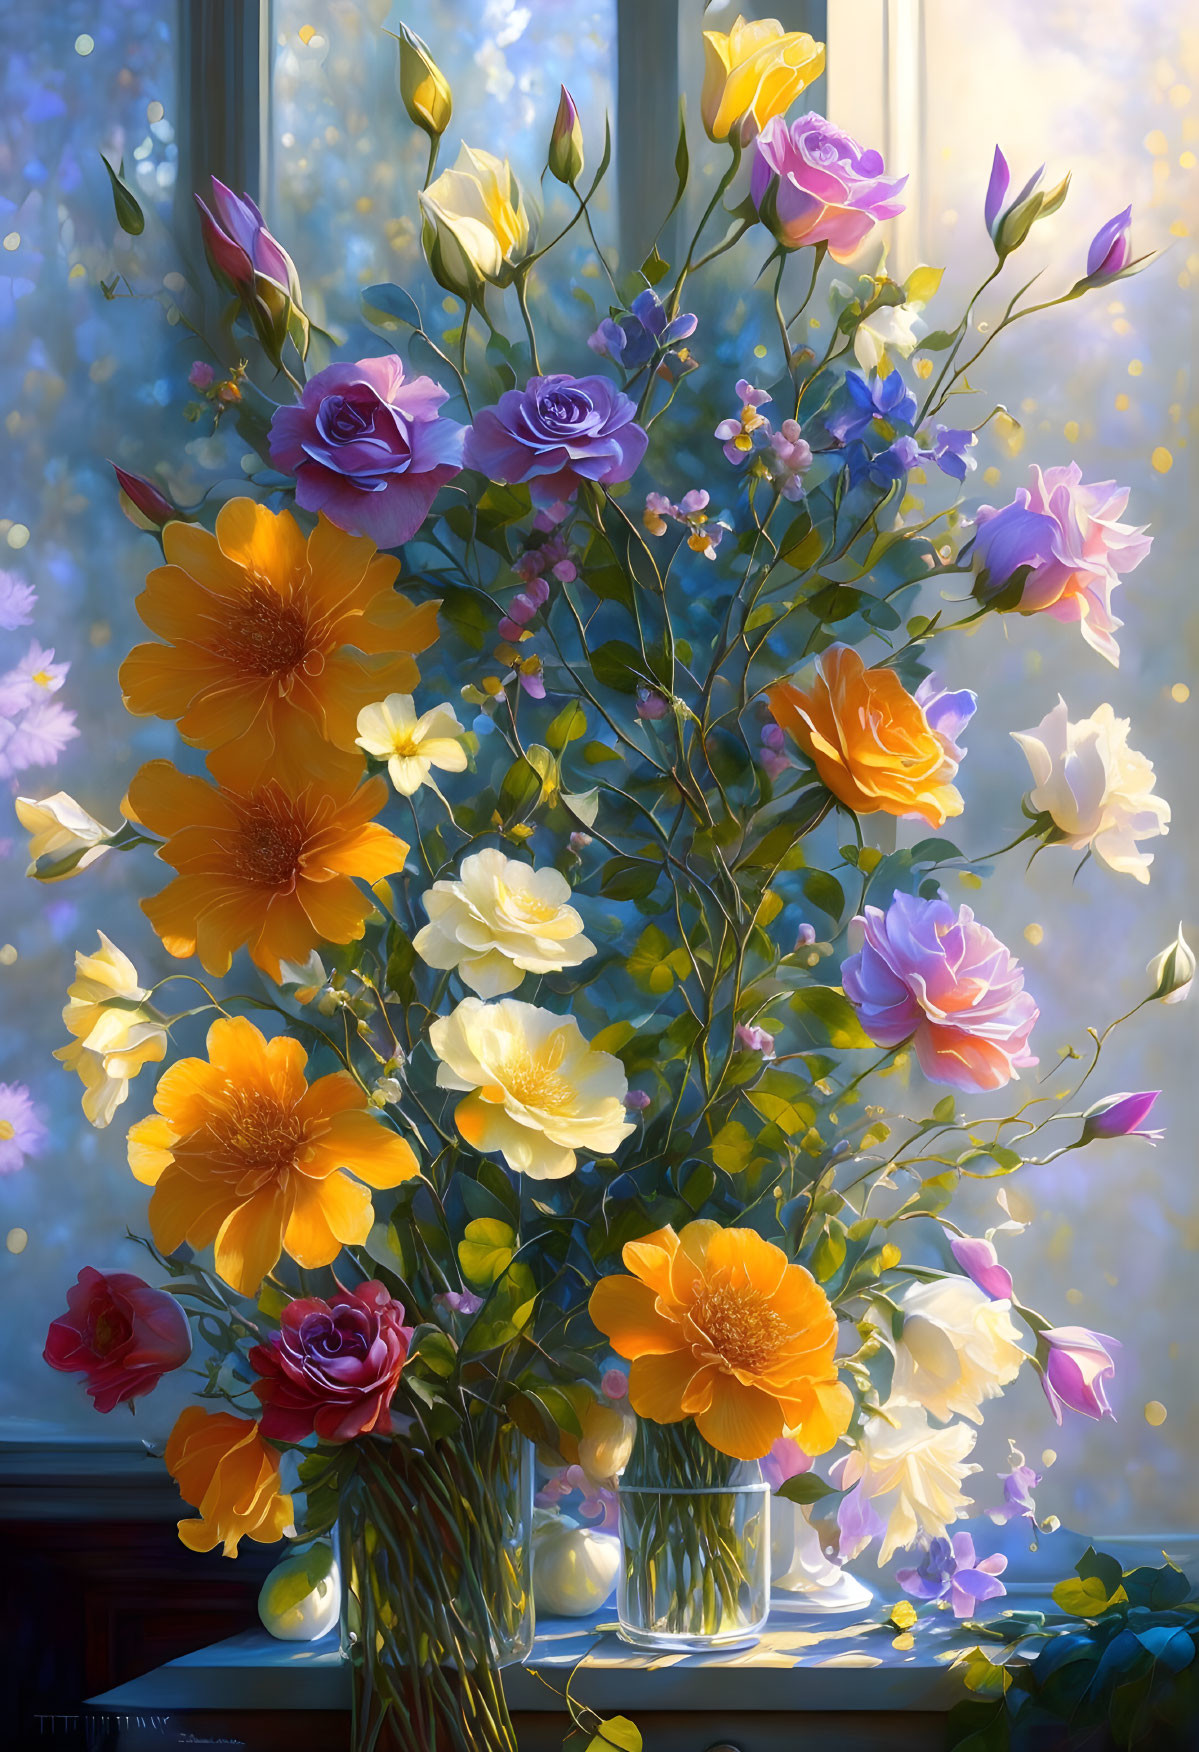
979	1260
1075	1363
145	497
756	1040
1120	1116
651	705
615	1384
119	1334
201	375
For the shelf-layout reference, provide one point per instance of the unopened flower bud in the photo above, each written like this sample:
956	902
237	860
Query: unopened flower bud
1173	971
143	497
423	86
565	158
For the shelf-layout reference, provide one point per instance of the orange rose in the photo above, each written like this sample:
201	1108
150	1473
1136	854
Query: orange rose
871	741
224	1468
721	1327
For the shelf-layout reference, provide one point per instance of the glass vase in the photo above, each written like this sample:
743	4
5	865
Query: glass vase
436	1551
695	1544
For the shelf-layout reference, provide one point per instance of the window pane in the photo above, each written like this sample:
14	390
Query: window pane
81	379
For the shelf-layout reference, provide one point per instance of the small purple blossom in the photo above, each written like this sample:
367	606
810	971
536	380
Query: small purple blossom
788	457
460	1302
755	1040
17	602
997	188
36	738
555	434
946	712
881	398
950	1567
773	754
951	450
1075	1363
522	608
885	467
598	1505
651	705
980	1262
1111	248
739	436
201	375
553	556
785	1460
22	1131
1120	1116
692	512
614	1384
637	1100
1018	1482
632	339
805	936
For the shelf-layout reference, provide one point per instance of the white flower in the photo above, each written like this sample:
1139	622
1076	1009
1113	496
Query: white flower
538	1093
115	1031
1097	789
958	1347
898	326
61	831
908	1477
1173	971
412	746
500	920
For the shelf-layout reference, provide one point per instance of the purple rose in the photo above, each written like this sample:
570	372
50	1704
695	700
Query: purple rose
367	448
812	183
943	981
555	433
1075	1362
240	247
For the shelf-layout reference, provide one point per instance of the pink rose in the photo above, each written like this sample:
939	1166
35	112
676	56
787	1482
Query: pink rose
120	1334
333	1367
811	183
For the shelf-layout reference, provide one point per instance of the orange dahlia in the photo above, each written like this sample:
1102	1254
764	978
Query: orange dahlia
274	640
243	1152
719	1326
224	1468
273	866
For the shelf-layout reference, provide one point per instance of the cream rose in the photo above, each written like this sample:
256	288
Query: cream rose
958	1347
62	833
1097	789
115	1031
476	222
904	1480
537	1092
499	920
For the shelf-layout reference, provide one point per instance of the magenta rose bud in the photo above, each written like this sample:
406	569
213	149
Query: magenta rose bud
1059	548
145	497
997	189
943	981
239	245
556	433
333	1367
368	448
1075	1363
812	183
120	1334
980	1262
1120	1116
1111	248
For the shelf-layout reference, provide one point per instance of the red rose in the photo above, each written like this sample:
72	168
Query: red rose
119	1333
333	1367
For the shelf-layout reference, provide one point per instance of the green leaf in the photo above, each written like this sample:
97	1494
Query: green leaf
828	1255
618	666
617	1734
732	1147
568	726
937	341
629	878
130	217
825	892
945	1110
1086	1596
520	791
387	307
436	1349
806	1488
486	1249
654	267
831	1017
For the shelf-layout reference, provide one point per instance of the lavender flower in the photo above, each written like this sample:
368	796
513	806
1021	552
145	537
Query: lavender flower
631	340
555	434
1120	1116
950	1567
755	1040
1075	1362
881	398
951	450
17	600
1018	1485
22	1131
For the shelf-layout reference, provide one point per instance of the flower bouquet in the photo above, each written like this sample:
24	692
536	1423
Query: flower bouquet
529	853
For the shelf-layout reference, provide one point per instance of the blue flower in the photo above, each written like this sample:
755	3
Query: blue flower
888	466
951	450
632	339
882	398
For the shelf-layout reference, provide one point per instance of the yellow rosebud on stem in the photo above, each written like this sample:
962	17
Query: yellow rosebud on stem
423	86
565	157
752	73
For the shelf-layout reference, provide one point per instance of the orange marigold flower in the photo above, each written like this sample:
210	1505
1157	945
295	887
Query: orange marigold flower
721	1327
224	1468
244	1152
273	866
274	640
870	740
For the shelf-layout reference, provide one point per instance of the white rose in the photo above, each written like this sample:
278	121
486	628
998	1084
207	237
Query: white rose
958	1348
62	832
904	1480
498	921
898	326
1097	789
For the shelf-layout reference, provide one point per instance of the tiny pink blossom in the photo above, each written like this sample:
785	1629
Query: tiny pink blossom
201	375
614	1383
651	705
755	1040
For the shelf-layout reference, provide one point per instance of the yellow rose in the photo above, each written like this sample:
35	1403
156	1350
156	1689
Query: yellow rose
224	1468
499	920
476	223
537	1093
752	73
423	86
115	1031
